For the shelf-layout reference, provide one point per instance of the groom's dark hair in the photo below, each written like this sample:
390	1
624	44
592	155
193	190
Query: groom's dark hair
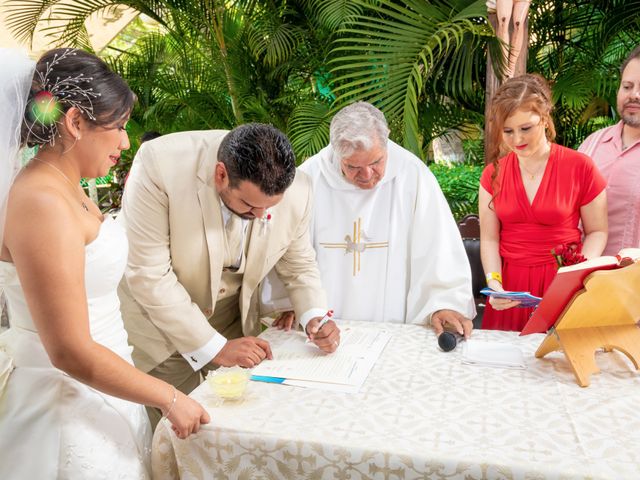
260	154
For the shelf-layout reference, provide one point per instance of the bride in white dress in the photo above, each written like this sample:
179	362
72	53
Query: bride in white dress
70	398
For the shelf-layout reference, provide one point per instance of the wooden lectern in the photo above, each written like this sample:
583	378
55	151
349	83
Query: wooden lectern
602	315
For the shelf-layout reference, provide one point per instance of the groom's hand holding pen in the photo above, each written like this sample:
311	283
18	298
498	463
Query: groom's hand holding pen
325	319
324	332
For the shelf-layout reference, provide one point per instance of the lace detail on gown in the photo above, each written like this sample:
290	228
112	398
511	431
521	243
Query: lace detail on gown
51	425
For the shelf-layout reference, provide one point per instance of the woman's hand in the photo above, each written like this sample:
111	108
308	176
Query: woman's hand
186	415
500	303
503	303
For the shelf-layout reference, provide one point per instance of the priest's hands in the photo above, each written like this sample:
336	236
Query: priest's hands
246	352
326	338
285	321
453	319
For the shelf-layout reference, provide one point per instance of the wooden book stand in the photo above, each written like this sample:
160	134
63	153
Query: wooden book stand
603	315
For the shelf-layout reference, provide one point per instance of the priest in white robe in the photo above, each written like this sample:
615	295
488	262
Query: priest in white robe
387	245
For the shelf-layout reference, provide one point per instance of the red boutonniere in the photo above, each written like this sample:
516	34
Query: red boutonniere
264	222
568	254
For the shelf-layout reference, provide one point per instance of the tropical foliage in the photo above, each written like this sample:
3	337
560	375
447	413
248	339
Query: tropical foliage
459	183
217	63
293	63
579	47
417	61
210	64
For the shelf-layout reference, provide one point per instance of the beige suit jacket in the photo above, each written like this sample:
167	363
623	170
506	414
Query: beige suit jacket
172	215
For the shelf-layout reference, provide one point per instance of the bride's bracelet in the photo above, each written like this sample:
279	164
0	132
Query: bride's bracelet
173	403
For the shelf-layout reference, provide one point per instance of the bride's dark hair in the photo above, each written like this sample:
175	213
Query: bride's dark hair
66	78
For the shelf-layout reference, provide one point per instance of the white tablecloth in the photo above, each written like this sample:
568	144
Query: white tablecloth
423	414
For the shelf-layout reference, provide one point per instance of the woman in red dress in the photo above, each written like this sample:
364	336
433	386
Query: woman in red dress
533	196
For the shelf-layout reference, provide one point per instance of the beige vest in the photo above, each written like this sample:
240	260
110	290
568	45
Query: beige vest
226	313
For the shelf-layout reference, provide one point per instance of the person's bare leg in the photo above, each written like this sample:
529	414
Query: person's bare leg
503	14
520	11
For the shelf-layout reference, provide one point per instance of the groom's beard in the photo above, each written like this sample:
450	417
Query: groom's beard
246	216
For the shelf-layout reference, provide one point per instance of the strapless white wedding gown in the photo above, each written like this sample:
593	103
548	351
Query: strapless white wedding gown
51	425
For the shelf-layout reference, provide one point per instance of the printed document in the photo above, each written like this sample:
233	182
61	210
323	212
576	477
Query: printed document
301	362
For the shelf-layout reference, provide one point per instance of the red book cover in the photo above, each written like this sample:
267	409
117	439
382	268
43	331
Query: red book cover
568	282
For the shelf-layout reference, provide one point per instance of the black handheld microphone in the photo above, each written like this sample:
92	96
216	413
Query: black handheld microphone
447	341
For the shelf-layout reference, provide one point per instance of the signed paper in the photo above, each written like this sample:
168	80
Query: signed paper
300	361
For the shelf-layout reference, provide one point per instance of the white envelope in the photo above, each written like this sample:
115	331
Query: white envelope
492	354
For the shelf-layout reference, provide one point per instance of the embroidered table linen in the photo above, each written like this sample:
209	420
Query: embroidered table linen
423	414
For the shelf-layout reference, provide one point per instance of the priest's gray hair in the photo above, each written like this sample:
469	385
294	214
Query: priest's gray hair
357	127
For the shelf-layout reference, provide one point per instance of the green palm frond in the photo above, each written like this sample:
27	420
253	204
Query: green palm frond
458	75
619	16
390	51
70	28
442	115
579	47
273	39
332	14
23	17
575	89
142	63
66	18
309	128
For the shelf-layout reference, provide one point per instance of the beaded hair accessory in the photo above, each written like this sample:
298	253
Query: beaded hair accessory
45	108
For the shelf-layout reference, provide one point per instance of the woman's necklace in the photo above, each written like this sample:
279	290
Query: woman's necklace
82	201
533	175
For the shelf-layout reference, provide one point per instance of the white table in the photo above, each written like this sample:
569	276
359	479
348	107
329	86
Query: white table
423	414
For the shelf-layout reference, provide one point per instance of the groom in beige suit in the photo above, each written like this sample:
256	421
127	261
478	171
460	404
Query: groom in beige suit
208	214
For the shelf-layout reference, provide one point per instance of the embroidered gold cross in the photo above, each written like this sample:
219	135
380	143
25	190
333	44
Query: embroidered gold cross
355	245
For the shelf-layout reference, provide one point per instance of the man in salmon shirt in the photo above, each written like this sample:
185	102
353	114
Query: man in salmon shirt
616	152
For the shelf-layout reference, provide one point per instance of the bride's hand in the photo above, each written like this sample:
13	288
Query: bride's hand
186	415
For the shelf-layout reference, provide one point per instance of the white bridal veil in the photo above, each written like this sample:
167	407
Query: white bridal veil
15	80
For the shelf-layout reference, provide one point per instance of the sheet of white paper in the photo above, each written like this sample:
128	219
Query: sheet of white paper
328	387
300	365
492	354
303	364
358	343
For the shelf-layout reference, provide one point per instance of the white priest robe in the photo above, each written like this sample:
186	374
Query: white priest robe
392	253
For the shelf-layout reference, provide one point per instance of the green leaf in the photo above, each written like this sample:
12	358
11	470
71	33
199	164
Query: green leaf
309	129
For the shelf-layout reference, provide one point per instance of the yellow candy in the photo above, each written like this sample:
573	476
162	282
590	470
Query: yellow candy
229	385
